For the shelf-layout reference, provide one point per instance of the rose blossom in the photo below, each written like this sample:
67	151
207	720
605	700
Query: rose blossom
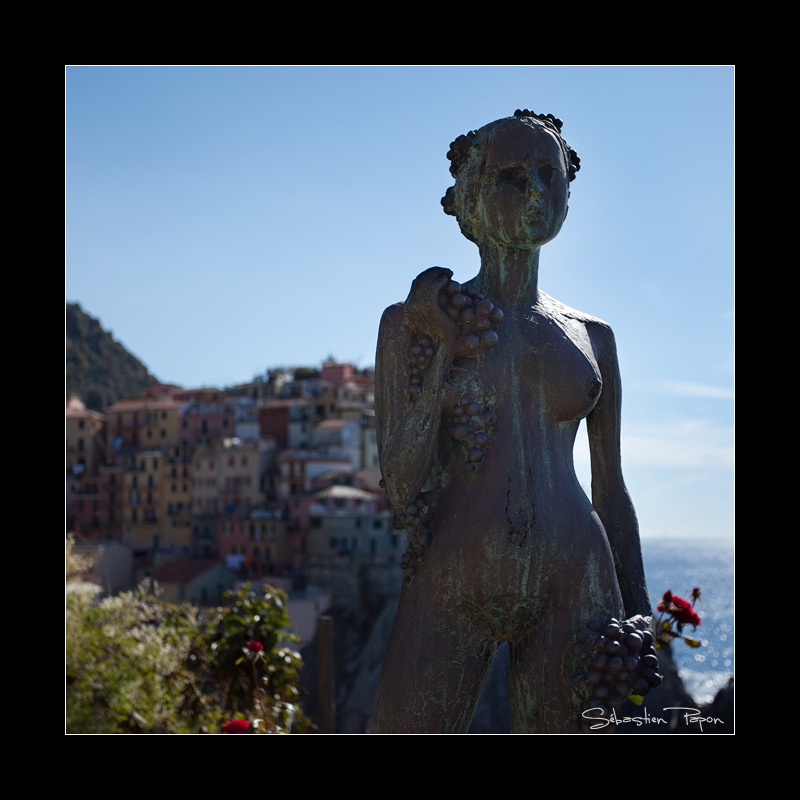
679	609
235	726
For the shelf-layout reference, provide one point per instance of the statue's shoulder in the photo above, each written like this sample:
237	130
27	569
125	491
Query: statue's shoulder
600	332
557	308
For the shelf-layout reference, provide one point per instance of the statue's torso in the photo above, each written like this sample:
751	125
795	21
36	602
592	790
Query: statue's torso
520	506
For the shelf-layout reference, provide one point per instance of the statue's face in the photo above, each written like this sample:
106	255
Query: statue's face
523	190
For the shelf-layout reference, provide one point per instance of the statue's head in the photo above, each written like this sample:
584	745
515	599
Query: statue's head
513	171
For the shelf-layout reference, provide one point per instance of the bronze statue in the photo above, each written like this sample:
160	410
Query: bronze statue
480	390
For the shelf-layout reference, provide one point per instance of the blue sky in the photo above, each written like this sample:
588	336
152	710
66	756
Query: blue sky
223	220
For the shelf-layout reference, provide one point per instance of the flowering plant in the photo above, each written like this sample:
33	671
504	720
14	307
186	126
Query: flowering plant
674	613
235	726
252	650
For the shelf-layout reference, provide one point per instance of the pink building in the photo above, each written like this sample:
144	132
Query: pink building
285	421
336	373
205	416
254	546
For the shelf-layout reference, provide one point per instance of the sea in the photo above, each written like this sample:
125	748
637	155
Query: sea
678	566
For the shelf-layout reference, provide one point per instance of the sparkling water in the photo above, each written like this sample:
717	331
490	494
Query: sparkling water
679	565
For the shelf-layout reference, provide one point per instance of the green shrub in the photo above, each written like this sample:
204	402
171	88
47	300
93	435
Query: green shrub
135	664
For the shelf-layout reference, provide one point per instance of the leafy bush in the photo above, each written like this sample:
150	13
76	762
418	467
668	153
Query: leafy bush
257	670
135	664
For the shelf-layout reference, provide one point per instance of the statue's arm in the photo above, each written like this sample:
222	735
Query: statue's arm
407	426
609	494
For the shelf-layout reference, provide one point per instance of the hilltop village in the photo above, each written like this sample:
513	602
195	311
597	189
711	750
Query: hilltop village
200	489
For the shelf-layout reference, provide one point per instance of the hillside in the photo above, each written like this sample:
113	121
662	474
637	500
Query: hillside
99	369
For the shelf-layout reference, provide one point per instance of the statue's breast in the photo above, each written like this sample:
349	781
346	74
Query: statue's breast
543	365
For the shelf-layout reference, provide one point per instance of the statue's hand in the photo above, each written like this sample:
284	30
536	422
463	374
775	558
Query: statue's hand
426	286
449	312
644	623
423	309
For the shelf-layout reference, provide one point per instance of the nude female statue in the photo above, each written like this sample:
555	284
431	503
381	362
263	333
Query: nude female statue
480	390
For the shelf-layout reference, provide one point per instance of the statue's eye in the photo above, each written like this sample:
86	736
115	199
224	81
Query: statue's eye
517	178
546	172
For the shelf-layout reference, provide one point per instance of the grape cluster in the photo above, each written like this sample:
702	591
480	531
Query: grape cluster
471	423
420	354
620	659
476	316
414	519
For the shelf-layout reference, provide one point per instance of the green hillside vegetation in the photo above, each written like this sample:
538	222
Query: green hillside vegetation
99	369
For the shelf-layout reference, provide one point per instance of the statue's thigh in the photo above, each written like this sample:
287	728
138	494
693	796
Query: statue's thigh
433	672
544	665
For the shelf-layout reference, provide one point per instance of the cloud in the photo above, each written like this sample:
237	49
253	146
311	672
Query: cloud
688	446
680	444
685	389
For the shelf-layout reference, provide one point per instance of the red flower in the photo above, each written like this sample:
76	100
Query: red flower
255	647
679	609
695	594
235	726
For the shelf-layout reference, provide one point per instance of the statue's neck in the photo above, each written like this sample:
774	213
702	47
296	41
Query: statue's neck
509	277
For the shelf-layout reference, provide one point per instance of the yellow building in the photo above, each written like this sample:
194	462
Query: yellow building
142	501
143	424
84	430
205	481
175	513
